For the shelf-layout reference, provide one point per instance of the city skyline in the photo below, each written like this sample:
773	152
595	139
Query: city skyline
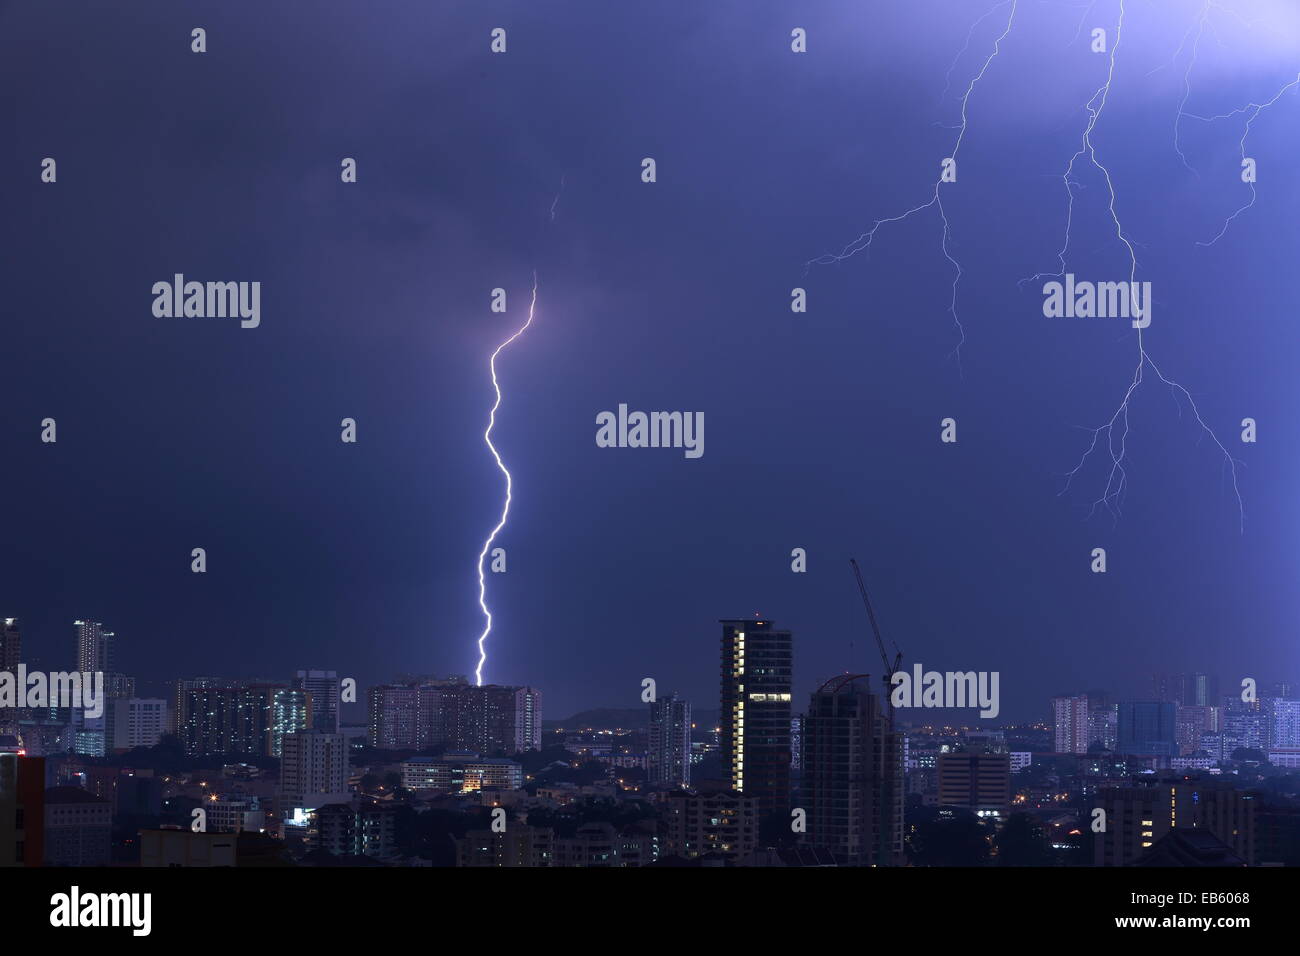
825	426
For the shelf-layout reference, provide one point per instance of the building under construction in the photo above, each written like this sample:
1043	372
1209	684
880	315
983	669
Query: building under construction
852	774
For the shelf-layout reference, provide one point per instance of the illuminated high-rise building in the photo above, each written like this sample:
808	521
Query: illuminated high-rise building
11	655
11	645
252	719
754	739
1070	716
95	647
426	712
324	689
670	742
97	652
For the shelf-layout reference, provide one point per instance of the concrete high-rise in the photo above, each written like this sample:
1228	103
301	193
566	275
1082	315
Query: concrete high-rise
11	655
852	774
979	782
754	740
324	689
670	742
313	770
138	722
1138	816
242	720
1147	727
97	652
11	645
1070	716
489	719
96	649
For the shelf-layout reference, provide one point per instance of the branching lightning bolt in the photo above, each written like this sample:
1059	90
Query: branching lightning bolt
863	241
505	508
1252	110
1116	429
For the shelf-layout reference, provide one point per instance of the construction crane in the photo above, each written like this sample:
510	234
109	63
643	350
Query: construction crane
883	774
890	669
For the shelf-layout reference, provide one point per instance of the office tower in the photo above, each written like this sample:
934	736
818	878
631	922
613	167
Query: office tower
1136	817
313	770
1147	728
852	774
22	810
722	823
138	722
755	715
670	742
324	689
78	827
1071	717
979	782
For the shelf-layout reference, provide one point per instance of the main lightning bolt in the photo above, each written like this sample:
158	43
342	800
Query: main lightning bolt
505	508
1116	428
863	241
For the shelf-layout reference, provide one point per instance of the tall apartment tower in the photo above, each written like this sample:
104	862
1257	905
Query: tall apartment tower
1147	727
452	713
313	770
852	774
11	653
504	718
1070	716
754	740
324	689
11	645
670	742
253	719
1190	690
95	650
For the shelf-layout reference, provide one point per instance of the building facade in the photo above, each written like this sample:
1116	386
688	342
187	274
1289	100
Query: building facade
852	786
669	757
754	739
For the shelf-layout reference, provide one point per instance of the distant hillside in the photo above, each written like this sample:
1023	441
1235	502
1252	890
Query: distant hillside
624	718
